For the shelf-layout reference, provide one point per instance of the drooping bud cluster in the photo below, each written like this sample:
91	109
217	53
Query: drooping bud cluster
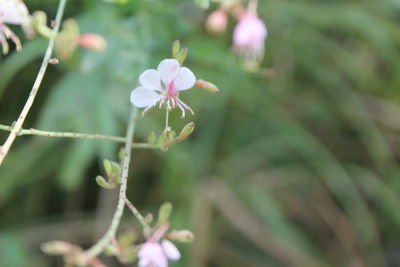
249	33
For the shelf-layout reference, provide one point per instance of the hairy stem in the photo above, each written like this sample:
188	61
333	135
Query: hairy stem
99	247
35	88
36	132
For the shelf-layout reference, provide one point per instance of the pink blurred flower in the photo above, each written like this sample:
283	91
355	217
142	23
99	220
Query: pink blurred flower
249	36
154	254
11	12
217	22
92	41
162	86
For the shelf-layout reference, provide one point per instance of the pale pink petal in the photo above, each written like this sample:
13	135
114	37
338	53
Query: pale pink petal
150	79
152	254
12	11
185	79
170	250
168	69
142	97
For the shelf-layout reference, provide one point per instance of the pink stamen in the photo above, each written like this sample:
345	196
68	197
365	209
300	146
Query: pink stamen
171	89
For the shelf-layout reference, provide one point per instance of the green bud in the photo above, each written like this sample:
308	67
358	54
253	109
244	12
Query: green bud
184	236
151	139
57	247
207	86
121	153
204	4
164	212
187	130
103	183
148	218
126	239
181	56
108	167
175	48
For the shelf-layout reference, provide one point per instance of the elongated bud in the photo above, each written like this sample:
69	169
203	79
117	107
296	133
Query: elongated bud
184	236
207	86
187	130
92	41
204	4
176	47
164	212
108	167
151	139
57	247
103	183
181	56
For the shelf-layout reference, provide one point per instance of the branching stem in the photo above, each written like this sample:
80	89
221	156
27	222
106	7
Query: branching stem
107	238
35	88
36	132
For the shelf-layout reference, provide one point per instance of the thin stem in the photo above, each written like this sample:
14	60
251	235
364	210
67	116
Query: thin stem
166	119
35	88
36	132
97	248
137	214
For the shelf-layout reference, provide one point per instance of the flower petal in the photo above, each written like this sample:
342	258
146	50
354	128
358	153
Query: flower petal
150	79
152	254
142	97
185	79
12	11
170	250
168	69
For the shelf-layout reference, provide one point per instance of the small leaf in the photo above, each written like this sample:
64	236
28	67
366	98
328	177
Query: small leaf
181	56
103	183
164	212
175	48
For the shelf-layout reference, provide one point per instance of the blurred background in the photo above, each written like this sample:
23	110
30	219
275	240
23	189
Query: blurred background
295	164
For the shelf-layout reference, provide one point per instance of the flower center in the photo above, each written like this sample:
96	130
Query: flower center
171	89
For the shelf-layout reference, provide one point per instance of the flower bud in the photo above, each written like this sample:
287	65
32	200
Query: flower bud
207	86
92	41
187	130
217	22
164	212
184	236
57	247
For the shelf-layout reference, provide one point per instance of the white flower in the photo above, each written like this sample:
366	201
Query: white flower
162	86
154	254
11	12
